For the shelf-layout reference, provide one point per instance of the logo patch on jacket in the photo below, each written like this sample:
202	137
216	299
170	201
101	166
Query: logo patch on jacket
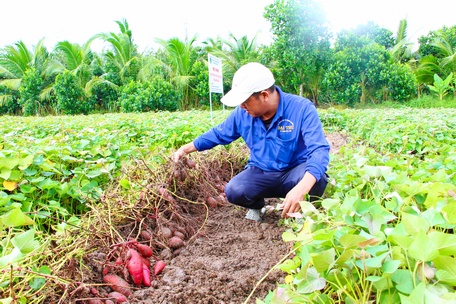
285	126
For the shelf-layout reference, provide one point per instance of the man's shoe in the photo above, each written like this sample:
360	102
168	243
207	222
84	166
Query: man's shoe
255	214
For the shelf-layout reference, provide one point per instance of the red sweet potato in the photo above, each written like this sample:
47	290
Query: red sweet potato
175	242
165	194
166	232
134	266
117	297
117	284
179	235
145	250
190	162
146	275
211	202
145	261
146	235
159	266
95	301
119	261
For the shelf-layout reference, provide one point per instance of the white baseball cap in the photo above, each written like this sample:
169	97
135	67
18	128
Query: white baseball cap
250	78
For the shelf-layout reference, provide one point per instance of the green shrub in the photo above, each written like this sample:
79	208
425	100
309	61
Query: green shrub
155	95
29	91
200	85
8	101
70	96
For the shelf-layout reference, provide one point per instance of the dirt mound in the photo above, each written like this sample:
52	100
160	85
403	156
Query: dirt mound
226	258
225	263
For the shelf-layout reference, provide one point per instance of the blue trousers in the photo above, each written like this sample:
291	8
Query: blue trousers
250	187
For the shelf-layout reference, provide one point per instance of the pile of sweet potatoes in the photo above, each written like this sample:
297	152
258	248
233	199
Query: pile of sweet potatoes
132	260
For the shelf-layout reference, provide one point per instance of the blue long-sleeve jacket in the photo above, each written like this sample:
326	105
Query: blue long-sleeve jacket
294	136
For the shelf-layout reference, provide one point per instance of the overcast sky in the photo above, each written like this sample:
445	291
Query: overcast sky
77	21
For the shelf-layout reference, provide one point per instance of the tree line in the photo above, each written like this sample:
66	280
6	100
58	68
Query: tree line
368	64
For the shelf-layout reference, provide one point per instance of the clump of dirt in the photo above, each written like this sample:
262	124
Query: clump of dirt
226	258
336	140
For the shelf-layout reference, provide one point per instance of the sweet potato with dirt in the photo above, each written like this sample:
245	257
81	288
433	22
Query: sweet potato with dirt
146	275
117	297
165	194
145	261
179	235
158	267
117	284
175	242
211	202
166	232
134	265
190	162
145	250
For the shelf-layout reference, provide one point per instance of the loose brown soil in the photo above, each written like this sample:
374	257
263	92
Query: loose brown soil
226	258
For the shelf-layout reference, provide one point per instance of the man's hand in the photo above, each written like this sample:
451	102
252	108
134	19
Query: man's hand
178	154
295	195
184	150
291	202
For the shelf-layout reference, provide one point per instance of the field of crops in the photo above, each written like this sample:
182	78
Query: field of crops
383	233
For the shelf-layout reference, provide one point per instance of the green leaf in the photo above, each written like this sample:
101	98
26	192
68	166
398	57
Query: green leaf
313	283
12	257
445	243
93	173
5	173
16	218
437	192
6	300
373	262
38	282
391	266
323	260
417	295
403	280
447	264
289	265
125	184
449	211
328	203
423	248
24	163
9	162
26	241
351	240
413	223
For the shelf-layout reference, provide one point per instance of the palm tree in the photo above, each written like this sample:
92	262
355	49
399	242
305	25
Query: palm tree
123	54
240	51
76	59
442	65
448	55
402	50
15	61
179	63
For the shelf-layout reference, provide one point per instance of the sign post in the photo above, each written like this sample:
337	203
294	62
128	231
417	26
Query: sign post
215	77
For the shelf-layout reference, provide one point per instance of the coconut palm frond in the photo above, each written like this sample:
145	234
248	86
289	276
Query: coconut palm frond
95	81
46	93
401	31
12	84
5	99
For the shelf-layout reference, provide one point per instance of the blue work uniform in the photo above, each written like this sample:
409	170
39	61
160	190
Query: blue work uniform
280	155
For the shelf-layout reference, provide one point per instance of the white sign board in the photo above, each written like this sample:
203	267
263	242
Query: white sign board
215	74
